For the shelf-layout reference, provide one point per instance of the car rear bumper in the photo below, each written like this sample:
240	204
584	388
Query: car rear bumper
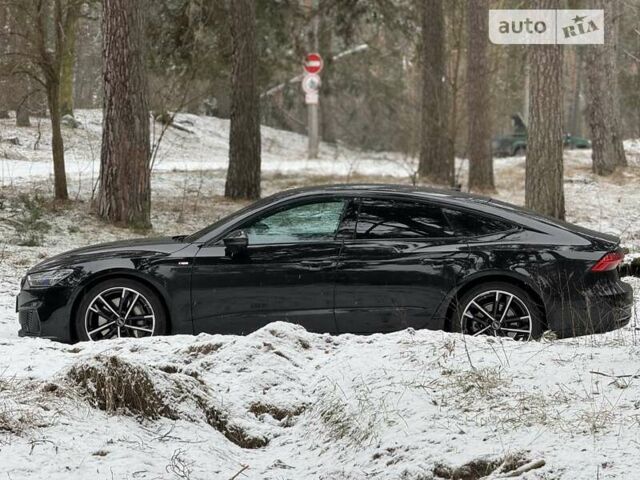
598	309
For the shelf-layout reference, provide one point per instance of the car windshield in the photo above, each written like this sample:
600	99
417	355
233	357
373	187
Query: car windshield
210	228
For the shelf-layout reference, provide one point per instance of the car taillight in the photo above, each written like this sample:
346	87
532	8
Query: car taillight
609	262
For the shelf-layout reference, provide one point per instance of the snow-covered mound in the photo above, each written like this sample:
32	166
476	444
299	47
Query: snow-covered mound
285	403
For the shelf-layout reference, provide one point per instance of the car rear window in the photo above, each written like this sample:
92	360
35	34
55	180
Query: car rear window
378	218
471	224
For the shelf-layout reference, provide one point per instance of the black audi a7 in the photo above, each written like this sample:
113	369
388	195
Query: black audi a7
348	258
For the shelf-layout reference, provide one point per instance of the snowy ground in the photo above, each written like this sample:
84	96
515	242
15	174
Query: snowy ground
410	405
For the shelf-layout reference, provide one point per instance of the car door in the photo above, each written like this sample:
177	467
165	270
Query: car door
396	270
287	272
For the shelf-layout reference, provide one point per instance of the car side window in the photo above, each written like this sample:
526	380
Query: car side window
401	219
302	223
468	224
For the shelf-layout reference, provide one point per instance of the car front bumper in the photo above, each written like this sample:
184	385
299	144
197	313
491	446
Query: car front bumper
45	313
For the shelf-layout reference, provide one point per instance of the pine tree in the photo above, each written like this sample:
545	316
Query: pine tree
478	105
436	148
603	107
125	192
243	175
544	170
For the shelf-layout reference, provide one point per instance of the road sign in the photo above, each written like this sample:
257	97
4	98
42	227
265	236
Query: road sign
311	98
311	83
313	63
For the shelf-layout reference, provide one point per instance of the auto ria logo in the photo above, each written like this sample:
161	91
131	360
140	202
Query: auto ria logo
531	27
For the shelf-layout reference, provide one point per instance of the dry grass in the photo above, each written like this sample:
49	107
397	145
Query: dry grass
121	387
497	467
278	413
26	405
117	386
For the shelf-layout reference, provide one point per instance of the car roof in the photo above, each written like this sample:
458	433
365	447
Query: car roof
374	188
486	205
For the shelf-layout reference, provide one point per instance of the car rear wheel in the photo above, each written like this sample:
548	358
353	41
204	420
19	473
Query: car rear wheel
499	309
120	308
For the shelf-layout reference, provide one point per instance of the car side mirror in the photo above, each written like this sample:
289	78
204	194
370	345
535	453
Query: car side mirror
236	240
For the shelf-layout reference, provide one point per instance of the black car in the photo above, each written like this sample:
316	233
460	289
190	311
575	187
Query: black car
349	258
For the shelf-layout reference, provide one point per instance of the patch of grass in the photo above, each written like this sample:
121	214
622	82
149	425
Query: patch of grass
204	348
481	382
278	413
220	421
118	386
478	468
23	406
115	385
30	225
356	416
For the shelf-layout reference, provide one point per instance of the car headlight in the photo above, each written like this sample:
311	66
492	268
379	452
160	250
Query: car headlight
48	278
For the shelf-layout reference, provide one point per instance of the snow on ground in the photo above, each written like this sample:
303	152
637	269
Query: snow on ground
285	403
291	404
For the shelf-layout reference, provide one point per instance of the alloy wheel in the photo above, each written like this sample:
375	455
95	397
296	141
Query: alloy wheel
119	312
498	313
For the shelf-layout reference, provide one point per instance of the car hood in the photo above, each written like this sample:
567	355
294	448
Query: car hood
121	248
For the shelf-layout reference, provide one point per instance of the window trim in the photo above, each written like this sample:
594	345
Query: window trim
443	206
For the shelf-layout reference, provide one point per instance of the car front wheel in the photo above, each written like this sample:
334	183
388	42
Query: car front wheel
119	308
499	309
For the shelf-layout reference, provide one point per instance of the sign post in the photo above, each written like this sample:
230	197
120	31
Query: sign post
311	86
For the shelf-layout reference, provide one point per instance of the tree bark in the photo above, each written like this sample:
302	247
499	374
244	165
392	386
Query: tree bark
478	105
436	148
57	144
327	105
49	62
67	68
544	170
243	175
603	108
22	114
125	191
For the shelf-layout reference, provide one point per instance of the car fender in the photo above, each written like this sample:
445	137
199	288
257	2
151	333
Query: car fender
125	269
516	277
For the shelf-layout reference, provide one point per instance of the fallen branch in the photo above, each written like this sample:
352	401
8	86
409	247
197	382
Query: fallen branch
609	375
524	468
244	467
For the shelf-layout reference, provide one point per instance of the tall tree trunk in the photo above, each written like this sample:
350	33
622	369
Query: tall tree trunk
327	118
67	67
20	83
243	175
544	171
5	26
125	190
22	110
436	152
573	124
49	60
57	144
603	107
478	105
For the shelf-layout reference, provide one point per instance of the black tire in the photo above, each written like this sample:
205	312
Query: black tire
149	319
469	317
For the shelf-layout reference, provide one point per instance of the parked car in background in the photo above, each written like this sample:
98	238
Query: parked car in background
515	143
